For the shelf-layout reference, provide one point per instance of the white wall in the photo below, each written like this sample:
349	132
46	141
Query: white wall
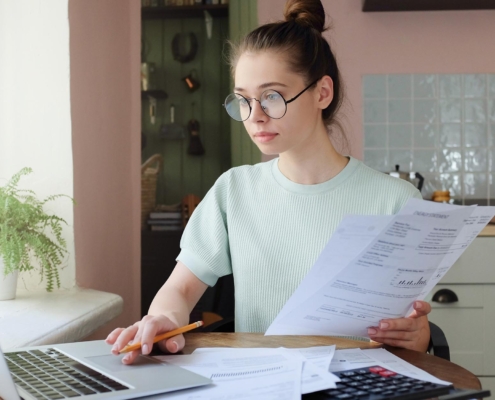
35	121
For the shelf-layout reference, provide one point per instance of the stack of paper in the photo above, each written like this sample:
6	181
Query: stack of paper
283	374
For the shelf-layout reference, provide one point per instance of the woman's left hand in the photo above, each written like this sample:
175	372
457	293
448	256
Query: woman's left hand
411	332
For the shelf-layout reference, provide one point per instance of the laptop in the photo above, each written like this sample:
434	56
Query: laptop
86	370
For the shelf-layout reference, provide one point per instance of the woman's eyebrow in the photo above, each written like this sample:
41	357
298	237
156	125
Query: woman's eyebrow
262	86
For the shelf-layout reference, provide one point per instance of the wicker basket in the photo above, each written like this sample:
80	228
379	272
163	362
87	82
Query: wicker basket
149	178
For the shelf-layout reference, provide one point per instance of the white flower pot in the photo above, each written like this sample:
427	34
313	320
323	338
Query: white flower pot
8	284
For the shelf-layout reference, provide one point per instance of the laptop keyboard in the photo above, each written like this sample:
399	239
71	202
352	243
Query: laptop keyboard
374	383
52	375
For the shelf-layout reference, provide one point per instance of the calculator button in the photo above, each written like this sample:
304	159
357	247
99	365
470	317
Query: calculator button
387	374
376	370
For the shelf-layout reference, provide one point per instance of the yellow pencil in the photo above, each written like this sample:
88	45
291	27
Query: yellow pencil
165	335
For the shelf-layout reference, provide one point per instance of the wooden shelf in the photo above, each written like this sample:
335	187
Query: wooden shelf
427	5
217	10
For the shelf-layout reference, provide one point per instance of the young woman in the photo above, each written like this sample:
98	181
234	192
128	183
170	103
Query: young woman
268	223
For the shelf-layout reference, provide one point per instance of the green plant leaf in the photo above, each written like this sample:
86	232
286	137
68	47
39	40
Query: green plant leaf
30	239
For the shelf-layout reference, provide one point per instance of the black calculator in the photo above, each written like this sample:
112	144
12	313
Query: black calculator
377	383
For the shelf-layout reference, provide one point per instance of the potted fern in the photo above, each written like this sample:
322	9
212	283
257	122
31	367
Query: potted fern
30	239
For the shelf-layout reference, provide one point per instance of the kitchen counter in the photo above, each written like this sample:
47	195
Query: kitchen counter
489	230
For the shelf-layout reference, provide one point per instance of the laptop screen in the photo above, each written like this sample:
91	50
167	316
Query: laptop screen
7	387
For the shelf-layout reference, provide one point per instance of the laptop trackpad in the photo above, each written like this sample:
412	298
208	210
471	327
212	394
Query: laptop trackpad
114	363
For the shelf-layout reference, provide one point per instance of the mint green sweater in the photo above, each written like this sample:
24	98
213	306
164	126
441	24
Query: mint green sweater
268	231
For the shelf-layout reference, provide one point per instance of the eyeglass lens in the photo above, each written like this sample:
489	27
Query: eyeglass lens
272	103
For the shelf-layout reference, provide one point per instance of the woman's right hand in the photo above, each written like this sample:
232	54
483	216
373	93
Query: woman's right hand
144	331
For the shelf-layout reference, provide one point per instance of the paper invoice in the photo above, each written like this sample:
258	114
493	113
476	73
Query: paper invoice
374	267
239	375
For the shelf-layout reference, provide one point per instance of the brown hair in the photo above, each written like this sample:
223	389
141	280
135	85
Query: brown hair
301	35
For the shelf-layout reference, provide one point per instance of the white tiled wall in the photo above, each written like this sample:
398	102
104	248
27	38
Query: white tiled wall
442	126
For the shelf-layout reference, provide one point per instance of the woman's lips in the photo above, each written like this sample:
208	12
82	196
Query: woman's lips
264	137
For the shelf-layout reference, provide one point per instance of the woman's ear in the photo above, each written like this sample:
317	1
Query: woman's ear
325	92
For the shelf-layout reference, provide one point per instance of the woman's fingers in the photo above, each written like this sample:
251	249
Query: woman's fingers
144	332
175	344
130	357
421	309
411	332
124	338
378	334
152	327
112	336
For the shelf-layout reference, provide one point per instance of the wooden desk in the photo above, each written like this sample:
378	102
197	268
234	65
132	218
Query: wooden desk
436	366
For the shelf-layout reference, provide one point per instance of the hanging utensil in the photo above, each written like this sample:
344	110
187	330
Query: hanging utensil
172	130
195	147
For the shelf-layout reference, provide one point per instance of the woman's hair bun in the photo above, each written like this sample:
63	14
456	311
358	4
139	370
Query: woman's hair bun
308	13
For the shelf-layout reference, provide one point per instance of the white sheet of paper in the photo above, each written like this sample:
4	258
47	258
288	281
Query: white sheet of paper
351	237
316	361
401	263
346	359
357	358
256	377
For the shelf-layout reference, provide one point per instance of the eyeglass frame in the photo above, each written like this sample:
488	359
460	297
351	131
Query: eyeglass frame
254	98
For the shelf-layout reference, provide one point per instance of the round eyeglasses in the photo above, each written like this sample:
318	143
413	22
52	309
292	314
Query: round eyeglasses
272	103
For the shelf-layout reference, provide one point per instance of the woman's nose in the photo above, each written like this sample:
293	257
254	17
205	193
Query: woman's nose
257	113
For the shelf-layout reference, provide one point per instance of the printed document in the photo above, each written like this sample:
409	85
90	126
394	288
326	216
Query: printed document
273	375
316	362
375	267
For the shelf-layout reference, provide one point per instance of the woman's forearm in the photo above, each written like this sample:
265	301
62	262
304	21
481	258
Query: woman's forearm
178	296
172	303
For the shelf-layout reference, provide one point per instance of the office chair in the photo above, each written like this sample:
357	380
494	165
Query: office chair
438	342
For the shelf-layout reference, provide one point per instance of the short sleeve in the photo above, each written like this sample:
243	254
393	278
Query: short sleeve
205	243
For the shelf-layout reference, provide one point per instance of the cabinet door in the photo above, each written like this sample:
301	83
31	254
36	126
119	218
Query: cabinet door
468	325
475	265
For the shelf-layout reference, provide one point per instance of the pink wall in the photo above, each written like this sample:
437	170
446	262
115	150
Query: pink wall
105	107
398	42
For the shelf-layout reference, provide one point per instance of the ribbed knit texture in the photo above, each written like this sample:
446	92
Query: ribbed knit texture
268	230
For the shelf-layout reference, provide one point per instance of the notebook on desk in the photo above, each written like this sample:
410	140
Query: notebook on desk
87	370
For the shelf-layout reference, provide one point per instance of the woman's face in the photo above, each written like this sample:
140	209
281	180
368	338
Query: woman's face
257	72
